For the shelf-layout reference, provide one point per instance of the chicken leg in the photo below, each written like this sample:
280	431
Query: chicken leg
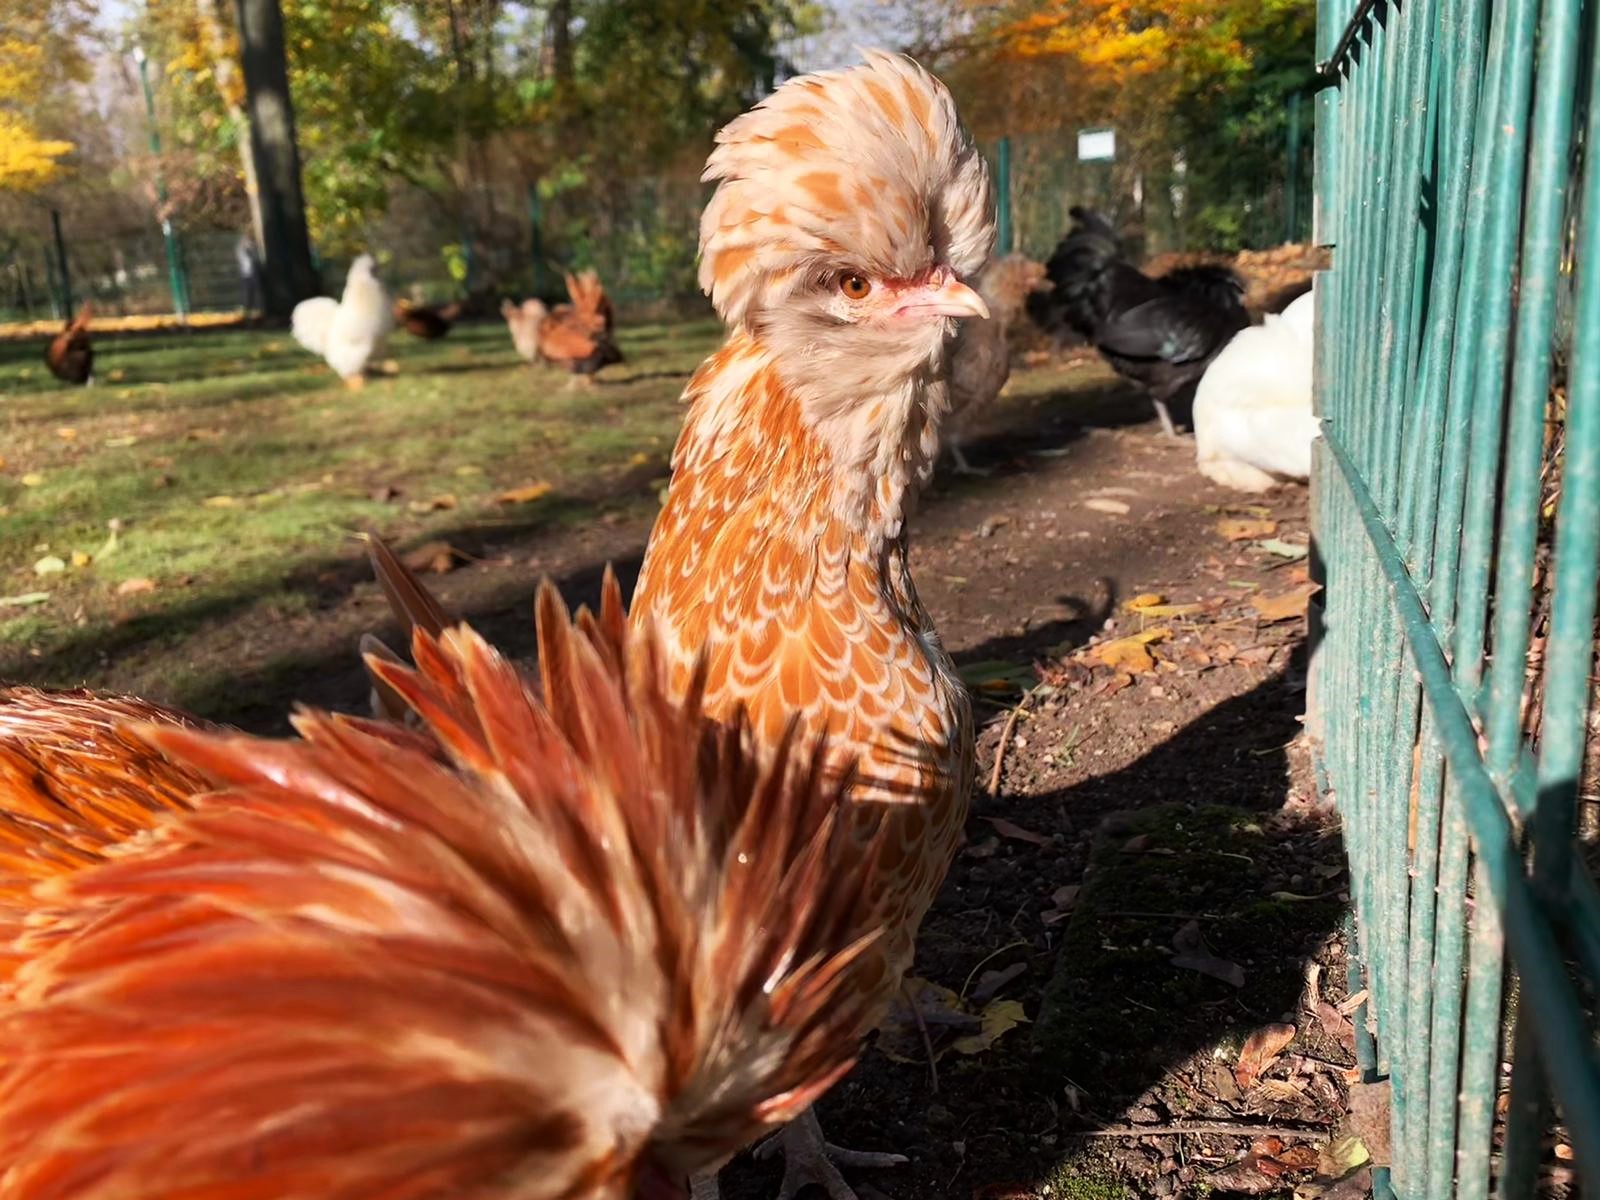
963	467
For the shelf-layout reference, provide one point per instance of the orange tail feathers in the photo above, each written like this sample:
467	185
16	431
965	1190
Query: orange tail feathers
562	938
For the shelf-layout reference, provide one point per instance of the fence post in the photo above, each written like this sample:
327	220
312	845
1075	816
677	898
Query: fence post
1003	242
1291	197
61	265
175	280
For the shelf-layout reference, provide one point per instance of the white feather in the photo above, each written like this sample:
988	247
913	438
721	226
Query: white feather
1252	412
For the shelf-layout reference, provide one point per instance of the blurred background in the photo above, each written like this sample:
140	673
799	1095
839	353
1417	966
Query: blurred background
479	146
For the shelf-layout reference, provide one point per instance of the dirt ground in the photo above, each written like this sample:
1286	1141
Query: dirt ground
1150	884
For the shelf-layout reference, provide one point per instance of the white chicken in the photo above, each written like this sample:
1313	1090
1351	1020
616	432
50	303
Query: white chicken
525	320
349	331
1252	412
981	361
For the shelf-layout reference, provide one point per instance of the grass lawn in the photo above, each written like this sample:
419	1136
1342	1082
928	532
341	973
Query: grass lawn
238	469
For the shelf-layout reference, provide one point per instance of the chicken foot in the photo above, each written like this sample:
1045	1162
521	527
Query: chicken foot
963	467
808	1158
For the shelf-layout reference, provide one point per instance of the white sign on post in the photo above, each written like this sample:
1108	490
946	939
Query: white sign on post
1097	145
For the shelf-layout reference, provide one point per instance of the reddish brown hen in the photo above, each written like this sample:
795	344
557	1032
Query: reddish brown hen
70	354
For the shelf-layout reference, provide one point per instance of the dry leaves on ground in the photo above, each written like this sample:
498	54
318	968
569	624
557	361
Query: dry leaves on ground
1260	1051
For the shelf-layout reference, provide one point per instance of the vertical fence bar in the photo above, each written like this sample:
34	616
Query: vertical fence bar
62	271
1433	378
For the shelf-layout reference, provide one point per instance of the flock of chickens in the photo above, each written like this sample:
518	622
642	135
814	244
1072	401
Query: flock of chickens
583	935
348	333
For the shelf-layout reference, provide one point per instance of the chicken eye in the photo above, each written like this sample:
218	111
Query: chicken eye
855	287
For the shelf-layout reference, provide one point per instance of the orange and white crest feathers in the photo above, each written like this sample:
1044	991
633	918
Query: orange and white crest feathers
866	168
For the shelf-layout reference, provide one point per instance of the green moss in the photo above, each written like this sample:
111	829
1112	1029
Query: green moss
1081	1181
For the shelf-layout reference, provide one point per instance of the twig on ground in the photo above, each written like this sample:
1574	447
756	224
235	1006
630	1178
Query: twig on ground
1214	1129
1005	741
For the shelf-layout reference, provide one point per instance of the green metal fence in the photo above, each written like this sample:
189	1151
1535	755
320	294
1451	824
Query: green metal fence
1457	512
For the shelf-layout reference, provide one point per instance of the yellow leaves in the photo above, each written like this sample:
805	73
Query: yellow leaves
1152	604
1285	606
525	494
27	160
1131	653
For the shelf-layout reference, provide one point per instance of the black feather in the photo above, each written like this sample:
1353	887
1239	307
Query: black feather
1161	333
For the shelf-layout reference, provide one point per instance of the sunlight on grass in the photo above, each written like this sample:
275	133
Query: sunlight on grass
237	470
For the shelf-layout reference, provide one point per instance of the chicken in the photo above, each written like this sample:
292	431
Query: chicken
1252	412
578	337
70	355
347	333
850	207
524	321
566	945
980	364
1160	333
427	323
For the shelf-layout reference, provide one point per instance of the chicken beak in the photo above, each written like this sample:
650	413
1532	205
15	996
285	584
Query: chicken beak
943	296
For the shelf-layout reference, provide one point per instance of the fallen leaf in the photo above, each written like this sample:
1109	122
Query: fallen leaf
525	494
1298	1158
80	559
50	564
67	433
1283	549
133	587
118	443
1066	895
117	375
1101	505
990	982
1283	1091
993	675
1246	1176
32	479
1246	529
1284	606
1137	844
1152	605
434	558
433	504
1130	653
998	1017
1260	1050
1352	1002
1341	1156
469	469
220	502
1192	955
24	600
1017	833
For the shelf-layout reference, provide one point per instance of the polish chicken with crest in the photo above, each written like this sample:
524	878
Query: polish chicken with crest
851	212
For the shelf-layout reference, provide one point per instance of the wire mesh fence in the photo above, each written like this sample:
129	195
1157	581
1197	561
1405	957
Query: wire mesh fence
514	237
1457	515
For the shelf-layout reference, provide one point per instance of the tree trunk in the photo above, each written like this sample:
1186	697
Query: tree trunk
560	20
225	71
287	274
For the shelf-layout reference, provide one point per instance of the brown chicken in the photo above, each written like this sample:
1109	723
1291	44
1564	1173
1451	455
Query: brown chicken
572	942
575	336
425	322
851	208
70	355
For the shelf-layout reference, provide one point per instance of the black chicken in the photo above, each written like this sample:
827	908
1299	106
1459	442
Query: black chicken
1161	333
